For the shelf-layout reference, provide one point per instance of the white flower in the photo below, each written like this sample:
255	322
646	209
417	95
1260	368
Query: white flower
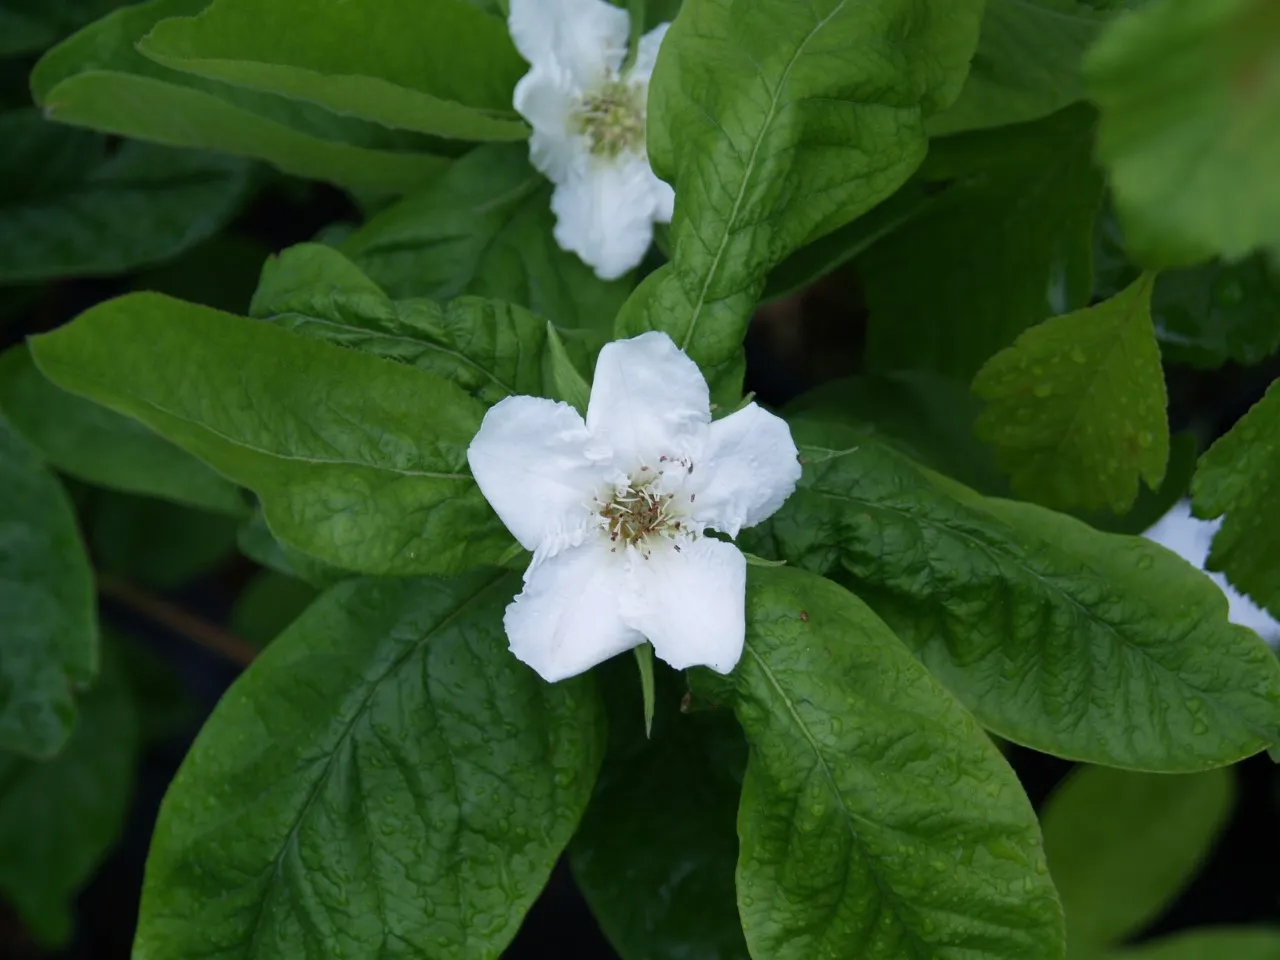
588	119
615	510
1190	538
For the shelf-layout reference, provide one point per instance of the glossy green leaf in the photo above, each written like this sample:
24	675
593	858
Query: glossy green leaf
1210	943
60	817
1219	312
440	67
1007	245
484	228
101	447
1190	132
876	818
268	604
489	348
655	854
1240	477
1122	845
358	461
68	207
389	780
97	79
778	124
50	632
1027	65
1151	505
257	542
1076	407
156	543
1054	634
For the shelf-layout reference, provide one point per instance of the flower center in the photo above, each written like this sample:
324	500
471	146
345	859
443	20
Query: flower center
612	119
640	512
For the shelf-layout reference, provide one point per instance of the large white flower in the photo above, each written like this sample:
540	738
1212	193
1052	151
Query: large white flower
615	510
588	119
1190	538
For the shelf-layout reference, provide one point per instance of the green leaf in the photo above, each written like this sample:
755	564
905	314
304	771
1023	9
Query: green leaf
268	604
814	261
561	376
257	542
874	811
46	592
484	228
1027	65
1151	505
387	774
97	79
442	67
778	124
927	417
358	462
1219	312
60	817
655	853
1239	476
157	543
1055	635
1122	845
98	446
488	348
1210	943
1190	131
1008	244
68	207
1076	407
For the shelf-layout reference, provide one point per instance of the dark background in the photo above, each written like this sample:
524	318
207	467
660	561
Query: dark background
792	345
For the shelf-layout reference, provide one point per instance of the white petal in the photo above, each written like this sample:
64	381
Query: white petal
1191	538
588	38
664	199
536	464
747	471
604	212
567	618
648	401
691	603
545	98
647	54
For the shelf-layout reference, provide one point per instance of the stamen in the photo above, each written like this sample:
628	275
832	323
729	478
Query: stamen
612	119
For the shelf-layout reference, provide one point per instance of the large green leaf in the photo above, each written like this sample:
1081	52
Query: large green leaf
1055	635
68	207
1210	943
1240	476
358	461
776	124
489	348
656	850
1027	64
485	228
49	632
1190	132
257	542
389	780
269	603
1076	407
1122	845
59	817
97	79
877	819
1219	312
441	66
1009	244
99	446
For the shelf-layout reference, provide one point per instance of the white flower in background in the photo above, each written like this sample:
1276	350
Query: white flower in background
588	119
615	510
1190	539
